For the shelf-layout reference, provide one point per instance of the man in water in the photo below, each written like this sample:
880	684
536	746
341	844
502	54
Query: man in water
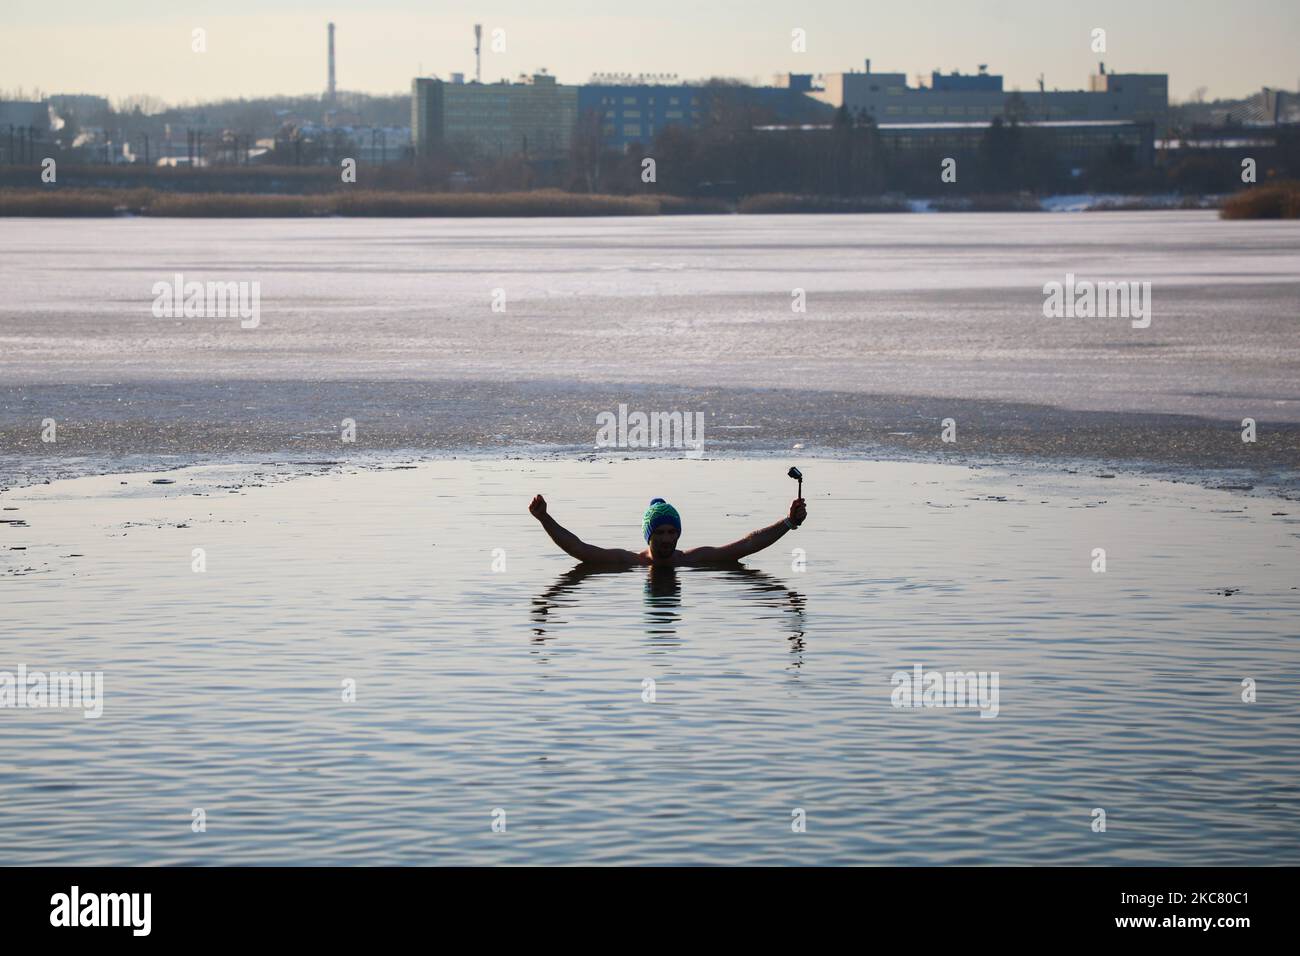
661	526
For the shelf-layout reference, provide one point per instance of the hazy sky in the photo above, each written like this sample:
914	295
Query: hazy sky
257	47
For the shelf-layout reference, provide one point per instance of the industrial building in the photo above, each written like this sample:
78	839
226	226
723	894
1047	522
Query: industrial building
537	116
633	109
1267	108
887	98
1072	145
789	99
26	115
23	124
534	117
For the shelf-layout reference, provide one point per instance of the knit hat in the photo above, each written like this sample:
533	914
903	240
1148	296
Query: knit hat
659	513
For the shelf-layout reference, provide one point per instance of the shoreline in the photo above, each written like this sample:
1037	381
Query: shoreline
154	427
1250	483
148	202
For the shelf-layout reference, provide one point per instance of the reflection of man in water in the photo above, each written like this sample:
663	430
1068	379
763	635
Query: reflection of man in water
662	582
661	526
663	598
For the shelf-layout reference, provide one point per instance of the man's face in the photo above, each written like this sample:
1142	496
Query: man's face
663	541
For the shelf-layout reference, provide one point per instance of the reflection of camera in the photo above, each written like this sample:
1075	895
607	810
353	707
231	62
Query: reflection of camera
795	473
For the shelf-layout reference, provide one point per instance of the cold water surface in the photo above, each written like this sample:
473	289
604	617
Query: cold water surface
521	688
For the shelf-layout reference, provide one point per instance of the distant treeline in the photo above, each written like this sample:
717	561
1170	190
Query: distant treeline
140	115
149	202
1268	202
731	168
847	166
289	180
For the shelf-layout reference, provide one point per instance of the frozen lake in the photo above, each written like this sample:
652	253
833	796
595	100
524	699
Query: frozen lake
943	305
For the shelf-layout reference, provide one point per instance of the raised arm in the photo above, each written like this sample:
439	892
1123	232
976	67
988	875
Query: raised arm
754	541
574	546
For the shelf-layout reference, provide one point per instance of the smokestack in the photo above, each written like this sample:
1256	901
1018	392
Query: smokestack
478	60
330	92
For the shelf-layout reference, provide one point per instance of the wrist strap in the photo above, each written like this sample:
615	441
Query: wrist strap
790	524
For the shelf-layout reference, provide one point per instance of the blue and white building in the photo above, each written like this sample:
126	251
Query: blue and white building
634	109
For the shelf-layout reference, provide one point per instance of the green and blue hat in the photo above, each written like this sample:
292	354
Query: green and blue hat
659	513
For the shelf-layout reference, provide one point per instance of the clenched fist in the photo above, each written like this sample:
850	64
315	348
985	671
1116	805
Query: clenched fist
798	511
537	508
